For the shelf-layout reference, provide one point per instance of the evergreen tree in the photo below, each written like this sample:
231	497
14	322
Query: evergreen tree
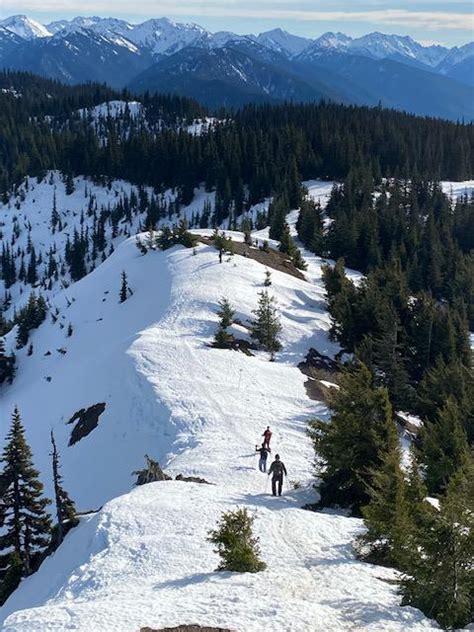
226	313
223	339
65	508
440	581
124	287
7	364
444	446
387	516
266	326
236	544
27	526
353	445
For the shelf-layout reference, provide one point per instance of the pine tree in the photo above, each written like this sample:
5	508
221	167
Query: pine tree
236	544
387	515
444	446
7	364
354	443
440	581
27	526
226	313
124	288
266	326
65	508
223	339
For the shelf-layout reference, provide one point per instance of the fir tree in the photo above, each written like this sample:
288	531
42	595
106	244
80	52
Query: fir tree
353	445
236	544
266	326
7	364
27	526
124	287
226	313
223	339
65	508
440	581
444	446
387	515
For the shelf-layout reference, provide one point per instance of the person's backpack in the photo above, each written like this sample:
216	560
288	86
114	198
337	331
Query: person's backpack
278	468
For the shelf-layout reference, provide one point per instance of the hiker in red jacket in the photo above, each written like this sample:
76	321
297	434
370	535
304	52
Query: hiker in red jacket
267	435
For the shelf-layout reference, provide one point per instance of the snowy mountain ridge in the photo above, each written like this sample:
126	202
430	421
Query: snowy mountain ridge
143	559
165	36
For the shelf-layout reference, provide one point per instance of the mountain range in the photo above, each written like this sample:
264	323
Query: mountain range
226	69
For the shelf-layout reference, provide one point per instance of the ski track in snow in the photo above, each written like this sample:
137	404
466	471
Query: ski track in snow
144	559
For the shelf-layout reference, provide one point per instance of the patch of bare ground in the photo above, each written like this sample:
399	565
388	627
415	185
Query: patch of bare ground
269	258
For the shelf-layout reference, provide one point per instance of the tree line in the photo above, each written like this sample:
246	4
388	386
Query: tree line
255	147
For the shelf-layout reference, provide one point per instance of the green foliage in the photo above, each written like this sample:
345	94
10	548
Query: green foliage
266	326
27	526
123	288
30	317
7	364
236	544
444	446
169	237
222	338
65	508
11	577
310	226
226	313
397	510
351	447
440	579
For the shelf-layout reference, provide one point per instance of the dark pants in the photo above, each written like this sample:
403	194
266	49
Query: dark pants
262	465
275	480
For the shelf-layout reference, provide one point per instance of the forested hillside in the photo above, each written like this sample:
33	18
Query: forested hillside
258	146
173	280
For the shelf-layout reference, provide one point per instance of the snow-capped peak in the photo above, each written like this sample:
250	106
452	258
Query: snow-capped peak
283	42
163	36
335	41
94	23
25	27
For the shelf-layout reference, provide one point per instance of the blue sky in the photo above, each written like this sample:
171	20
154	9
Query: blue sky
450	23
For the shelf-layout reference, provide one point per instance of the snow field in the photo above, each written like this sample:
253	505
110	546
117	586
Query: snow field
144	559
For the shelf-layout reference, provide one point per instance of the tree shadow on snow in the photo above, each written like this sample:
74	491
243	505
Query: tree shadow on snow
363	613
189	580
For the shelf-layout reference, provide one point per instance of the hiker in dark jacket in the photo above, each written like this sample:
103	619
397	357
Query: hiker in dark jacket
262	463
278	469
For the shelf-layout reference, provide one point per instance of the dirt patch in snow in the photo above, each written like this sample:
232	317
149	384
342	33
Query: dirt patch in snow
321	371
319	366
271	258
87	419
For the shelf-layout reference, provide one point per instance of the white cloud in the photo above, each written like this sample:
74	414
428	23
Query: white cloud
267	9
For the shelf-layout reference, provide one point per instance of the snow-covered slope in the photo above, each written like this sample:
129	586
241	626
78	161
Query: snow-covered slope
380	46
25	27
144	559
163	36
283	42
